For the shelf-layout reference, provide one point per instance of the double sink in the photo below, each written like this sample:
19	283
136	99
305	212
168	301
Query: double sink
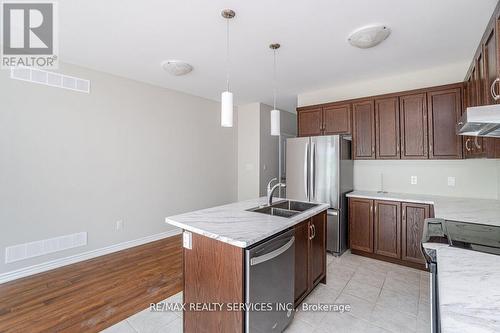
285	208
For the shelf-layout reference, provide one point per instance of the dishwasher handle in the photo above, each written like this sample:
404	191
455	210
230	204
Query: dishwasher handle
273	254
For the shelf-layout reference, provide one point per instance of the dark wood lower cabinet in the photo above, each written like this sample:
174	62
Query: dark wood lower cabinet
388	230
387	225
310	255
361	224
301	260
318	248
413	216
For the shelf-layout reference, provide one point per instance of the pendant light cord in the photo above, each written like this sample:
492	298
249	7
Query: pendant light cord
274	81
227	54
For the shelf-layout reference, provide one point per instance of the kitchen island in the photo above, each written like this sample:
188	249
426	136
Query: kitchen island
217	243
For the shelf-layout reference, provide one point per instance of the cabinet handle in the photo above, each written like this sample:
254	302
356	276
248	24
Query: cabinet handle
314	230
310	232
467	147
375	210
492	89
371	208
403	214
478	146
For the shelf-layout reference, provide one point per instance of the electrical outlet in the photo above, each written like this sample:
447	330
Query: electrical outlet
119	225
451	181
413	180
187	240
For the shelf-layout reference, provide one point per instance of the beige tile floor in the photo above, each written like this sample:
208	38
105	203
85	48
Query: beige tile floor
383	297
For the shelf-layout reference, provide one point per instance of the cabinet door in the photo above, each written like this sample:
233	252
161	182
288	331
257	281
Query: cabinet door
444	108
413	216
490	145
318	248
337	119
364	130
413	116
301	259
387	223
309	122
387	128
361	224
490	61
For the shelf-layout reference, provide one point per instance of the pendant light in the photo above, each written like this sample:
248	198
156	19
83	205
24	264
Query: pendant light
275	114
226	119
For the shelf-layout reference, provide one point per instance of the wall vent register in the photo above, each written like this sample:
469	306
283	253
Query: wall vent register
37	248
35	75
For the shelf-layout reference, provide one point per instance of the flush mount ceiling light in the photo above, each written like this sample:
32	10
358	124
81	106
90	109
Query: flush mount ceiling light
226	113
176	67
370	36
275	114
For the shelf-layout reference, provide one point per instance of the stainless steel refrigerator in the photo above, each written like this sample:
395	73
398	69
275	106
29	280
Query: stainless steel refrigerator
320	169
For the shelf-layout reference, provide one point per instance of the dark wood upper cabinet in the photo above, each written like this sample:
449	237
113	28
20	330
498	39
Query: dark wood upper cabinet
387	225
364	130
361	224
444	110
413	120
318	248
301	260
490	61
387	128
413	216
337	119
310	122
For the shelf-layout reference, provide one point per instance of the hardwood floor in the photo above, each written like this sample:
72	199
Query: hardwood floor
94	294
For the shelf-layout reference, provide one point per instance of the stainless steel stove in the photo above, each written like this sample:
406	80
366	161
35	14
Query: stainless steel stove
469	236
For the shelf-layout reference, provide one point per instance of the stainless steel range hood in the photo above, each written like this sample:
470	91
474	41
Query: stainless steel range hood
480	121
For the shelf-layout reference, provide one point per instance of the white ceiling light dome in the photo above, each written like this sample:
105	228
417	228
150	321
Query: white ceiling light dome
176	67
369	36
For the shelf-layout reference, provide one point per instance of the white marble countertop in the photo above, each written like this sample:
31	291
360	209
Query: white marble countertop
482	211
469	289
234	225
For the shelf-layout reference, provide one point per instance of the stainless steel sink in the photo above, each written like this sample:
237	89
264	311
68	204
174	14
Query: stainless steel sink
270	210
286	208
298	206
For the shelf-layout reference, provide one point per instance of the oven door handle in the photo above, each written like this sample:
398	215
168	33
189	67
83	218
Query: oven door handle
273	254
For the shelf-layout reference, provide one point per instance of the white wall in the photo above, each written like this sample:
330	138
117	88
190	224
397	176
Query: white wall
248	150
269	145
72	162
451	73
258	151
474	178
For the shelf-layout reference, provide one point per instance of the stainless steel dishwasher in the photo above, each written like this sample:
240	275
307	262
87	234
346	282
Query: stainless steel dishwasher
270	281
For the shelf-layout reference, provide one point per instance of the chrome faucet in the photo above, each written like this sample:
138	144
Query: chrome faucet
270	192
270	184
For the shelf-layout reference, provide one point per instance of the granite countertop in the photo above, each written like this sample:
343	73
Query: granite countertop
469	292
234	225
482	211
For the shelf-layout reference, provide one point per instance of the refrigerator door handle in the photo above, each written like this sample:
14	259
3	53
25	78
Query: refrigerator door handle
306	171
313	175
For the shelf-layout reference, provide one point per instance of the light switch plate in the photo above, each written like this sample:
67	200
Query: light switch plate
187	240
451	181
413	180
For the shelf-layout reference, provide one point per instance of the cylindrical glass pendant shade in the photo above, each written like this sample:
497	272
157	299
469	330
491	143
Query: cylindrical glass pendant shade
275	122
226	115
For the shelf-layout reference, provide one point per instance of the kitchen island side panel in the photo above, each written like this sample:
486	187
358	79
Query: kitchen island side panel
213	273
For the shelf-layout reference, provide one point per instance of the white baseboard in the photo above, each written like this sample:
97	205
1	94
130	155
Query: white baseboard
46	266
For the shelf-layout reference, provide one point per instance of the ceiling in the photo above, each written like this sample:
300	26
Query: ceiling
131	38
